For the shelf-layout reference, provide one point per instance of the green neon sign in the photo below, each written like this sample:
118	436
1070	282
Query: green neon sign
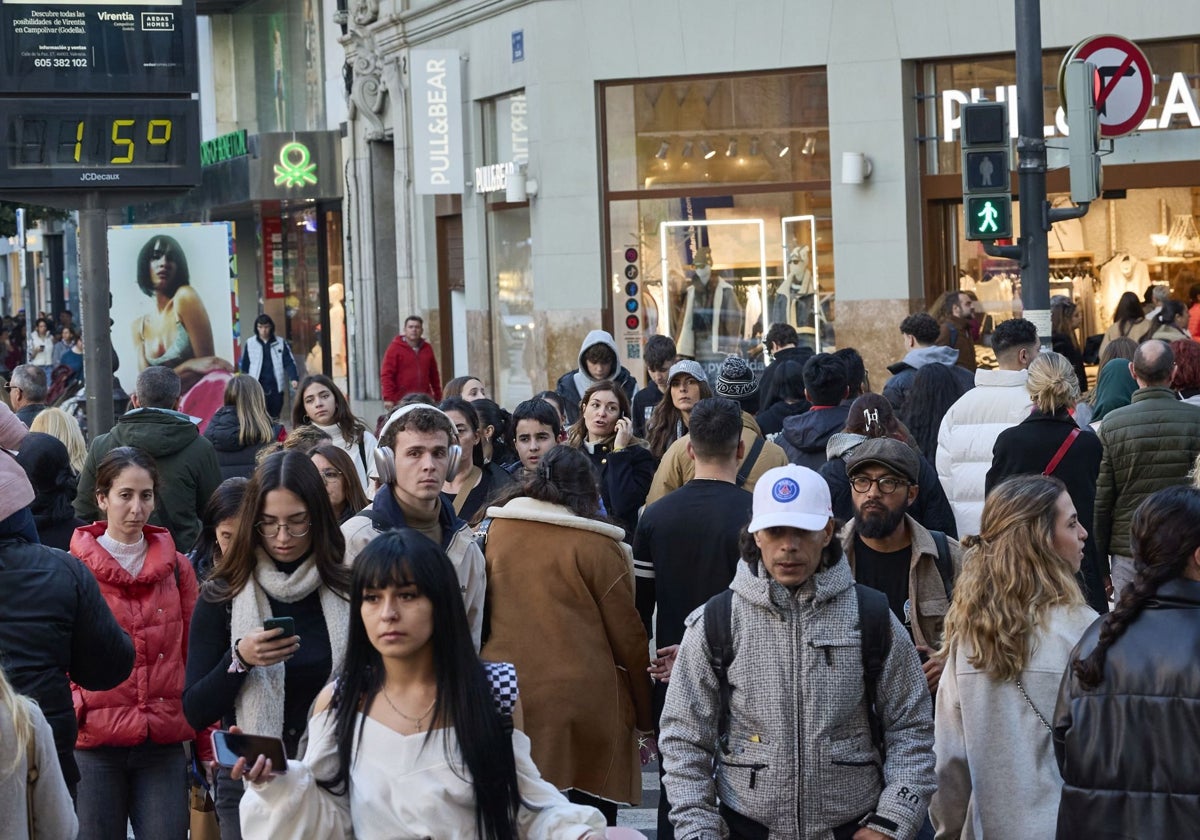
989	217
295	167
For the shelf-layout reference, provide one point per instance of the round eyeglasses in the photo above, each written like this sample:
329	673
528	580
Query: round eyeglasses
294	529
887	484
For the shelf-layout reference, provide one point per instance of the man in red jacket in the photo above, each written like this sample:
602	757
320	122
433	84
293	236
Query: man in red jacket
409	366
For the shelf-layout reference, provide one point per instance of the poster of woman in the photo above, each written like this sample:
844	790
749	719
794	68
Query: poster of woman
173	301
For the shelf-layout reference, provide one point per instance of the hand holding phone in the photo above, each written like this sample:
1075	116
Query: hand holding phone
286	622
276	642
255	756
624	432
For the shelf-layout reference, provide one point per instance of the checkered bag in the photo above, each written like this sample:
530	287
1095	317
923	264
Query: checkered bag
502	677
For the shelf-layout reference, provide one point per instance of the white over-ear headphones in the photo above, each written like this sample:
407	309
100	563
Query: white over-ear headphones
385	458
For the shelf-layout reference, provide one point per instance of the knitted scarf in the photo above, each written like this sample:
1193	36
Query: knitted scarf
259	705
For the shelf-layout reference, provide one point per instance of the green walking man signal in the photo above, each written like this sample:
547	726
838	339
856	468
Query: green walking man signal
986	154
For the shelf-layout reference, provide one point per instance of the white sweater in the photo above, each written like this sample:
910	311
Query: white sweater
968	435
996	773
53	812
400	789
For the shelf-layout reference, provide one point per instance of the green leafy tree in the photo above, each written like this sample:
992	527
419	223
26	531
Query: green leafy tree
8	216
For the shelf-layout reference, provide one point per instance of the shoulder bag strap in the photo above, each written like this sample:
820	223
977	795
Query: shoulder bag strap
874	616
31	778
944	564
751	458
1061	453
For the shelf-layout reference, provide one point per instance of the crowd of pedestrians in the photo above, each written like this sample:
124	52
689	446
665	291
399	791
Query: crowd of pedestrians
961	606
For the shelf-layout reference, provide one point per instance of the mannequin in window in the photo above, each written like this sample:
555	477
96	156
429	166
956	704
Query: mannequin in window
712	317
793	301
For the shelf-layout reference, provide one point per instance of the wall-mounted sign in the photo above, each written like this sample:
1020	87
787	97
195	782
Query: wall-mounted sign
437	122
493	177
518	45
84	46
225	147
297	165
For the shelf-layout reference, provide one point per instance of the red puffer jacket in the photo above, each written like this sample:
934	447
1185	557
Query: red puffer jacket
155	608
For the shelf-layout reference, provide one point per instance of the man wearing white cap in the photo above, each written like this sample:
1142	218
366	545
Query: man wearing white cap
776	688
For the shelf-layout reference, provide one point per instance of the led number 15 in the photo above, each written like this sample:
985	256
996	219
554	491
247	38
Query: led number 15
158	133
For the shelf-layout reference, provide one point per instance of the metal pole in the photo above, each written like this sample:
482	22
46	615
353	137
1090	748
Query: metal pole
28	292
93	295
1031	168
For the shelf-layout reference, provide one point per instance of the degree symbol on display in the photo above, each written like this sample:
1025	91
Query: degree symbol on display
632	322
631	305
631	272
631	255
631	289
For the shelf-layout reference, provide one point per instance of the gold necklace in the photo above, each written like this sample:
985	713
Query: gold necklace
416	720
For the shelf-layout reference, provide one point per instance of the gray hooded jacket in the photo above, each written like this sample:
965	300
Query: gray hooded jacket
802	761
572	384
905	371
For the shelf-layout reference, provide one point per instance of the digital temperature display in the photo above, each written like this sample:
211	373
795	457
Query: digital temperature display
97	143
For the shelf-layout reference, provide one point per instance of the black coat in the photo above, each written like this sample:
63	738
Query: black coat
770	420
1026	449
235	460
54	622
1127	748
768	388
931	507
804	435
625	478
1061	343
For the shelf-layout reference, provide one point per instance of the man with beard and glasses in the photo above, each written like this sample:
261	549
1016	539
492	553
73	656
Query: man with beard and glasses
890	551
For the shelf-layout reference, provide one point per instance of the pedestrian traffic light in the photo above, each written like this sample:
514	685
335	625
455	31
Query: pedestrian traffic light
987	197
1082	89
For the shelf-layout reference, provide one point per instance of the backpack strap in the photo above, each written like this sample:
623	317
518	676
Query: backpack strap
751	458
718	632
874	620
502	677
945	565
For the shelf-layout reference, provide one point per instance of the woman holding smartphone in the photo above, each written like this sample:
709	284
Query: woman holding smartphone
605	434
417	737
285	560
130	743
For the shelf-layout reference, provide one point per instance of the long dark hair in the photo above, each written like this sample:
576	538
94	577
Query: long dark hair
564	476
665	419
1128	312
464	697
288	470
578	433
356	498
934	389
350	426
472	417
224	503
1165	534
491	414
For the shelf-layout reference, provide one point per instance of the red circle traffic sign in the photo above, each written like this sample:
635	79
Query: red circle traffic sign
1126	82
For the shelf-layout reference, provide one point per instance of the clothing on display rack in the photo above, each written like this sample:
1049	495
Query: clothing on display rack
754	311
712	317
996	290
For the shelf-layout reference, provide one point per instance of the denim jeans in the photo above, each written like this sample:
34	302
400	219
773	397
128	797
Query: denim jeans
144	785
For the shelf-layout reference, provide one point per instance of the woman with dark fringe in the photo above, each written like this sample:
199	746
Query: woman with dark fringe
1125	728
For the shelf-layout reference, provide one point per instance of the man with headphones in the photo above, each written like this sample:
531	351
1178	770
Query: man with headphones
418	451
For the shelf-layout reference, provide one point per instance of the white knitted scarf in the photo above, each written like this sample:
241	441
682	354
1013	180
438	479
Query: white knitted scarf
259	705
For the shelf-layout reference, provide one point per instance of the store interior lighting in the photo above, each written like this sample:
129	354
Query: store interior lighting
707	150
687	149
661	154
781	148
810	145
731	149
754	147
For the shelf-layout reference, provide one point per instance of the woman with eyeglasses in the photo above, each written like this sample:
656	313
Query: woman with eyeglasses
285	560
337	471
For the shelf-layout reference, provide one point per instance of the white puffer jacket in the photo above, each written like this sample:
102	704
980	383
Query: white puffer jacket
968	434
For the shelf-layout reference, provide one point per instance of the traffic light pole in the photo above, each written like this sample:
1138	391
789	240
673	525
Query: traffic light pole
1036	213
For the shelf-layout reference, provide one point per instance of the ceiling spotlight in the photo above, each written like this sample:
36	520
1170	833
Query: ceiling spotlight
708	151
687	149
731	149
781	148
810	145
661	154
753	146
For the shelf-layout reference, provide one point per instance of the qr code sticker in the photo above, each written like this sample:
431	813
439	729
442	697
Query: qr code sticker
633	349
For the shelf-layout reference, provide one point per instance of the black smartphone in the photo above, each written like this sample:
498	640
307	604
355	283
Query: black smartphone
228	747
285	621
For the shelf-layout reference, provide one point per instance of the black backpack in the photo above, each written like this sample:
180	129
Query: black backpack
874	616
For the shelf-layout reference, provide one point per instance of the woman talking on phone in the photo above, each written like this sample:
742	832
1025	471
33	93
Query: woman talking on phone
130	743
416	737
623	462
284	562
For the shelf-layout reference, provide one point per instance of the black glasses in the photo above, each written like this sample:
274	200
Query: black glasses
887	484
294	529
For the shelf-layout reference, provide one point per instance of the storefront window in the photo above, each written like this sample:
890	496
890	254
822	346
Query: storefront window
718	209
510	252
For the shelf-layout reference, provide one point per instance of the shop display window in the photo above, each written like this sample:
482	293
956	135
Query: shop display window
718	212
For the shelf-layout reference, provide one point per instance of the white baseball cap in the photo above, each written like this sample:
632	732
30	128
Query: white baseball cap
791	497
